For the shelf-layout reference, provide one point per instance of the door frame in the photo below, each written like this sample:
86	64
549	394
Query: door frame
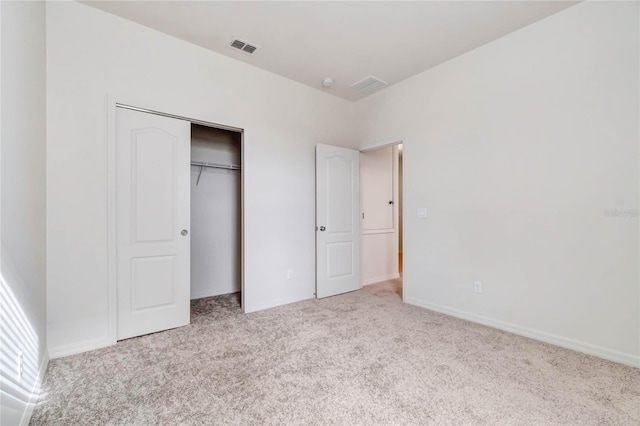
386	144
114	102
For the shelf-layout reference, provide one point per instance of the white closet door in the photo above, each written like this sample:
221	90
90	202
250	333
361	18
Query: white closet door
153	196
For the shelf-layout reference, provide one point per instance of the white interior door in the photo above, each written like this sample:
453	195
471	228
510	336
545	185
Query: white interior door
337	220
153	196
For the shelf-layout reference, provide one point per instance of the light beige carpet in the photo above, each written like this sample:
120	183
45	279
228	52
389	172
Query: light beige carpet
360	358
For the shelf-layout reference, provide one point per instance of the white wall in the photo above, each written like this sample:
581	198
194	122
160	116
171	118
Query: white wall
380	225
376	189
215	213
520	150
23	260
91	54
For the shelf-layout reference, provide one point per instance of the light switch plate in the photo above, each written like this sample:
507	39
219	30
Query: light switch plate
421	213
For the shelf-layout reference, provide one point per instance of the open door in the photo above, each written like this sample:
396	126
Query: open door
153	218
337	220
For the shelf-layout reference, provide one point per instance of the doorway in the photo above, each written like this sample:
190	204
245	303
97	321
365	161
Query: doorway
215	211
381	205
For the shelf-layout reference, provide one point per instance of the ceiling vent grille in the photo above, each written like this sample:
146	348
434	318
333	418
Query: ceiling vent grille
243	46
369	84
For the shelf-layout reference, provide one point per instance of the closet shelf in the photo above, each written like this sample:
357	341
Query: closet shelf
215	165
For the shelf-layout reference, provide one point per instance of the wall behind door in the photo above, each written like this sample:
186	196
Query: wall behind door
215	213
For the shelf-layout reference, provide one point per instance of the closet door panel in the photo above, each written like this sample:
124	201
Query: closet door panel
152	281
153	192
153	221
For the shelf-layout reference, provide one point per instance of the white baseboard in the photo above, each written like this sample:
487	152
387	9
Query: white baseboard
375	280
79	347
275	304
35	392
209	294
576	345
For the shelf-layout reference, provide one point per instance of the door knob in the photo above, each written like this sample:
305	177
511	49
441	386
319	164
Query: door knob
184	232
322	228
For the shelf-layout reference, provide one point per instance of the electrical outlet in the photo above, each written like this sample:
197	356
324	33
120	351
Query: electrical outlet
289	274
477	287
20	364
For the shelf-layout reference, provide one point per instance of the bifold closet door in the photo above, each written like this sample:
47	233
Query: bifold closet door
153	219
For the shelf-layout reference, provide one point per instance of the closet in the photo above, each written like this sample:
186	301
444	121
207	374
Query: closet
215	211
175	218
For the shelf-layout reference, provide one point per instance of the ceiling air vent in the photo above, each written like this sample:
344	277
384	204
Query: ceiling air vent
369	84
243	46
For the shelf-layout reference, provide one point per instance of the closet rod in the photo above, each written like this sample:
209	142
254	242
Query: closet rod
215	165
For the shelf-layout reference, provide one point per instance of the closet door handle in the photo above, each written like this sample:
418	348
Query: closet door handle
322	228
184	232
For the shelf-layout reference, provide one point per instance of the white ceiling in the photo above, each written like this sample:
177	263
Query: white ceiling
309	40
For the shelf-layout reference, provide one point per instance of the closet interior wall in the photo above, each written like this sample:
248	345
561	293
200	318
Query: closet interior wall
215	212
